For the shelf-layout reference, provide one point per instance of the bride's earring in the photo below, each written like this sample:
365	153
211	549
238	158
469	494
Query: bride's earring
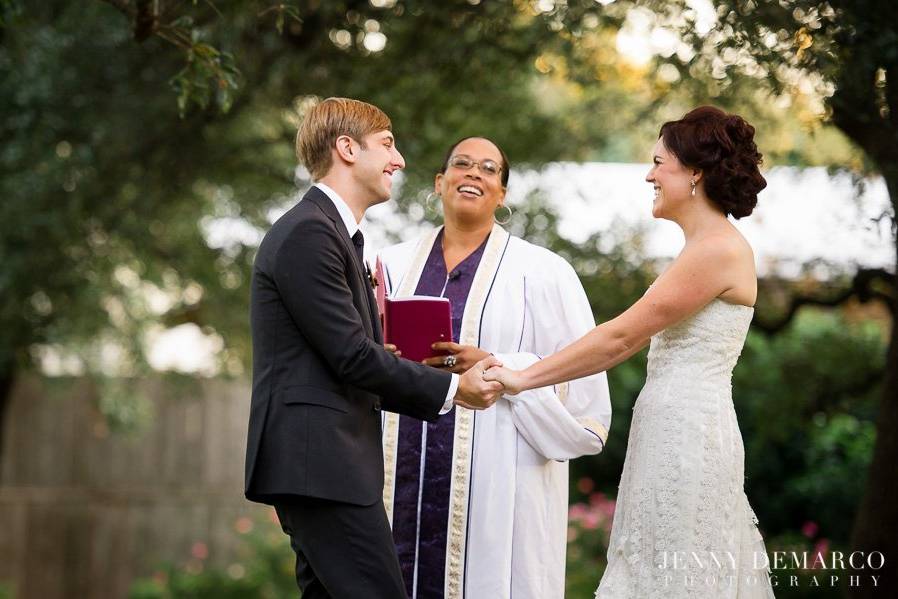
692	182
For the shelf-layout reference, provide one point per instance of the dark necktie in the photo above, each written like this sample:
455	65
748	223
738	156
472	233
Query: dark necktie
358	240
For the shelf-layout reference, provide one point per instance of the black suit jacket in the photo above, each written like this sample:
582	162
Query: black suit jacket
320	373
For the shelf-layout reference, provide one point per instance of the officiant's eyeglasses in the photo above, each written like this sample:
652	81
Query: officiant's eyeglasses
487	167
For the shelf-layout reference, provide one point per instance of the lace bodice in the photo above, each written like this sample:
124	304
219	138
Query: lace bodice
706	345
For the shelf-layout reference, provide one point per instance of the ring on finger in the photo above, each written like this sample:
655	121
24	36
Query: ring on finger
450	361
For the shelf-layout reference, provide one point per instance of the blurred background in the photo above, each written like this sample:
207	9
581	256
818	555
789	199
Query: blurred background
147	146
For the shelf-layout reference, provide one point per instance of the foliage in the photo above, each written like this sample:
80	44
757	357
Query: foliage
100	212
806	401
811	581
589	529
262	568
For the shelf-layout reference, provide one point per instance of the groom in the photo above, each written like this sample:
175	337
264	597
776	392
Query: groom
320	373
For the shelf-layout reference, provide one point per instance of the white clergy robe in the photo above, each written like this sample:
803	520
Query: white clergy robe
507	524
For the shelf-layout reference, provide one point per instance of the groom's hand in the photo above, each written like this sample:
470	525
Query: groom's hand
475	393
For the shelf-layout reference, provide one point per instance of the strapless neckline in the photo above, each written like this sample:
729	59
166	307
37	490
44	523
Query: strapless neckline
726	303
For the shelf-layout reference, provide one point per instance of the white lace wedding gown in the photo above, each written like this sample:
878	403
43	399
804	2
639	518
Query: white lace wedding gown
683	527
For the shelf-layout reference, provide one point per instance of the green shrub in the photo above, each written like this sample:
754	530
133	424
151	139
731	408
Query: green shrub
589	528
264	569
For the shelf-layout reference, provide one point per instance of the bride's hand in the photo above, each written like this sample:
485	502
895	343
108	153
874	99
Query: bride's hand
510	379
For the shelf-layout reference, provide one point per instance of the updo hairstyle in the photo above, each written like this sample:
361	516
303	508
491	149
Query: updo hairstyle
721	145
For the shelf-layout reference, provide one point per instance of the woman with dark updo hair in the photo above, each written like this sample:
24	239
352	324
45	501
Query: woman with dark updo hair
683	526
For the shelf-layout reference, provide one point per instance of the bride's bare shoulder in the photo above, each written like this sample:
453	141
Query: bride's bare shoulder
725	245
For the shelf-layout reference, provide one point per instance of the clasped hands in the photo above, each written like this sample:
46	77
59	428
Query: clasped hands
483	378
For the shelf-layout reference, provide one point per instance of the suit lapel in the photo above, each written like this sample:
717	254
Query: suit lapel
373	314
321	200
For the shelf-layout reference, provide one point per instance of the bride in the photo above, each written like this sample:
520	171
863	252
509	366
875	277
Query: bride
683	526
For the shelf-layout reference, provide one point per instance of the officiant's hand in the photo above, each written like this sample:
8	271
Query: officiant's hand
465	356
475	393
392	349
511	380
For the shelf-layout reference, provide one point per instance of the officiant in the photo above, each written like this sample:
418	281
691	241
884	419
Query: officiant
478	501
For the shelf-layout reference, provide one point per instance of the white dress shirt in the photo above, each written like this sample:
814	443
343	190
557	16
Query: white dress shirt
352	225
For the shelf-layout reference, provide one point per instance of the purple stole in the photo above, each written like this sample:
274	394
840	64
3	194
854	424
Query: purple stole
421	507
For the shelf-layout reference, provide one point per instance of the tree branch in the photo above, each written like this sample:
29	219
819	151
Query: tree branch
142	13
192	314
146	21
863	287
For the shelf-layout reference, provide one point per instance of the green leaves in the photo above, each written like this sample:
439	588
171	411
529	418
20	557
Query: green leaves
282	13
9	10
209	76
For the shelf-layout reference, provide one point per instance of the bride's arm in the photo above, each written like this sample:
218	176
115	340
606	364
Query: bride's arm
700	273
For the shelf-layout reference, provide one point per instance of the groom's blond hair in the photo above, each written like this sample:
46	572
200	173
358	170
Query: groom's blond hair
327	120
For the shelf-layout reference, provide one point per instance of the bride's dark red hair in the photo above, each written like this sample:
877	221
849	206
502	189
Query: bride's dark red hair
721	145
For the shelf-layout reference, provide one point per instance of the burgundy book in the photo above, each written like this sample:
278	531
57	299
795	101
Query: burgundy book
413	323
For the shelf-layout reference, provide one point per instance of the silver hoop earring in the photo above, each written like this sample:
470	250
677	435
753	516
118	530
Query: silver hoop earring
429	203
693	188
507	218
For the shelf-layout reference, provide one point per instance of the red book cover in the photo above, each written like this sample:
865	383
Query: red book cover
413	323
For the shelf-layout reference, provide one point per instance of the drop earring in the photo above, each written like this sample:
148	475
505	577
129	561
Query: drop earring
692	182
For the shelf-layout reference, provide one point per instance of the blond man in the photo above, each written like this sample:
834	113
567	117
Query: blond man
320	372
